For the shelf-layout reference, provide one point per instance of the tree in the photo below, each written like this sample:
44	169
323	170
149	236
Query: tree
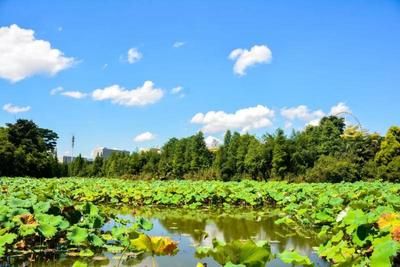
390	147
359	145
280	155
255	160
79	167
7	150
199	153
30	148
97	169
334	170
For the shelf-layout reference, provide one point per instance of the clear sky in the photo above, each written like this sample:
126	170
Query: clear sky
128	74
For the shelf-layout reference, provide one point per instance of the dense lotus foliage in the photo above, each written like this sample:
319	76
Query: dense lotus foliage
358	223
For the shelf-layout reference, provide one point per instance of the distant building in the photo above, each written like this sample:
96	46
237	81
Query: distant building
69	159
105	153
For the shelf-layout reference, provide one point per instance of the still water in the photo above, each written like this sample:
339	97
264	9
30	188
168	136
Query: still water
192	228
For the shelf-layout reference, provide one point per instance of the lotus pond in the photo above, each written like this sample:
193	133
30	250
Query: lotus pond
111	222
198	228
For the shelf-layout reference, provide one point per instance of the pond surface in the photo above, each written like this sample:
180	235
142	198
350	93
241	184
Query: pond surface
192	228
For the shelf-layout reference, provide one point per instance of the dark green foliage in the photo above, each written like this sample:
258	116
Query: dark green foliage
326	152
333	170
27	150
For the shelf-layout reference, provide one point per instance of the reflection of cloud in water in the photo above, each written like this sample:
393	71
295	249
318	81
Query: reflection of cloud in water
199	227
213	232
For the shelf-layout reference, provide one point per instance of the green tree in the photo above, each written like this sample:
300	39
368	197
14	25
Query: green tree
280	155
97	170
390	147
256	160
33	150
333	169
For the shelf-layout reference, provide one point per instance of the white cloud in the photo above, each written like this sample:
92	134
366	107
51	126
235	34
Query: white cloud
104	66
144	137
10	108
74	94
56	90
301	112
178	44
212	142
176	90
60	29
244	119
140	96
310	117
288	124
339	108
246	58
22	55
134	55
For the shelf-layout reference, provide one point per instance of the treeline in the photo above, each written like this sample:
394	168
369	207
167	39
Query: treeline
329	152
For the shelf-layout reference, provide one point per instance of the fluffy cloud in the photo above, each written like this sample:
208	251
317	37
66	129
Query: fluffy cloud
140	96
22	55
134	55
310	117
143	137
56	90
74	94
339	108
303	113
178	44
10	108
246	58
244	119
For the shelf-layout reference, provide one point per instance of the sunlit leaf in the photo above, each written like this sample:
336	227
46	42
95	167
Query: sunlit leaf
384	250
293	257
156	245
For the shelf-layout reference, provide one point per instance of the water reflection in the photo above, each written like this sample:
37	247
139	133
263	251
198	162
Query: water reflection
194	228
199	227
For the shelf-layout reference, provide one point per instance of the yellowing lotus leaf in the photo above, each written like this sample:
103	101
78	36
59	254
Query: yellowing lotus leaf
389	221
156	245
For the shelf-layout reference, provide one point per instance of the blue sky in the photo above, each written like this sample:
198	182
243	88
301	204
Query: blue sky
298	59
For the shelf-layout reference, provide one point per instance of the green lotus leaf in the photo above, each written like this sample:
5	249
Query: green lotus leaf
144	224
41	207
86	253
27	229
294	258
6	239
230	264
384	250
114	249
49	219
77	235
353	219
79	263
95	240
47	230
237	252
20	203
